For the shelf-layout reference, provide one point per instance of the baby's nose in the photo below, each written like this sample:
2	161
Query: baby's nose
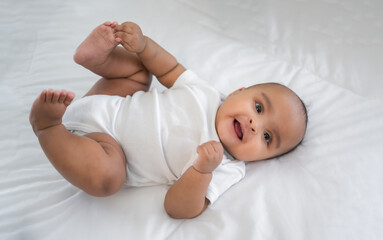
252	126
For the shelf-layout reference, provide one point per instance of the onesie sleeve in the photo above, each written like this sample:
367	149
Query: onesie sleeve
224	176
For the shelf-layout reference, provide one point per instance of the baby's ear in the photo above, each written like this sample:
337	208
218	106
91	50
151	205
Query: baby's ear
236	91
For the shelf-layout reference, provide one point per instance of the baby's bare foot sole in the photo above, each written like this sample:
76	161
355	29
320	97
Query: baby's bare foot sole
94	50
48	109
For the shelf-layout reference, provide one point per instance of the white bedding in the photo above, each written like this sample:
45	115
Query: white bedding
328	51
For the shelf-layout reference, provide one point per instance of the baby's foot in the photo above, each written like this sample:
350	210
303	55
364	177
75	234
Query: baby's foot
48	109
95	49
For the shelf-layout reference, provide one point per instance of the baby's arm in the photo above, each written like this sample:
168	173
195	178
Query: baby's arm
156	59
186	198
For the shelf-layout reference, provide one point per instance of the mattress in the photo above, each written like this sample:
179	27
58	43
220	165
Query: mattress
329	51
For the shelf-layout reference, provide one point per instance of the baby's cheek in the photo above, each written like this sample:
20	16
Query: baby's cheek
251	153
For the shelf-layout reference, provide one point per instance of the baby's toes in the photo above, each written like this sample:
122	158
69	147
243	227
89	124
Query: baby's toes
43	96
68	98
62	97
55	96
114	24
49	95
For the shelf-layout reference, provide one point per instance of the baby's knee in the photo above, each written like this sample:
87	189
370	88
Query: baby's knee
109	186
106	184
110	177
109	173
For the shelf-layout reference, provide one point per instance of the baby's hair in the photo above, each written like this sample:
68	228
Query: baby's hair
304	108
304	112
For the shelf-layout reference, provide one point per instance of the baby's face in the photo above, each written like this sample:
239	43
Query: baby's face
260	122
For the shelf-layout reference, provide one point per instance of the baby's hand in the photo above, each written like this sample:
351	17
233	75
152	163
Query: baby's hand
130	36
209	157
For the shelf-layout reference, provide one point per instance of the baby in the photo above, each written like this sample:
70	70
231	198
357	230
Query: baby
188	136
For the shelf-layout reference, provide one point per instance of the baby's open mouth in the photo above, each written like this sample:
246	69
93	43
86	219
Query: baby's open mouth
238	129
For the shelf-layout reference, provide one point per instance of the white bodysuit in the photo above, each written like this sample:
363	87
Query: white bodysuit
159	132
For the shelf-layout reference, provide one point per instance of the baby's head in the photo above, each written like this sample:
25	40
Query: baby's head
261	122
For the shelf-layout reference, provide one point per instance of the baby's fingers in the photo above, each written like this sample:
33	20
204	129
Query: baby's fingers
123	39
211	148
122	28
201	149
123	36
218	148
205	148
128	27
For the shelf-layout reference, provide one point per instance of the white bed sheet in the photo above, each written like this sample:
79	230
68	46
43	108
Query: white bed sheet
328	51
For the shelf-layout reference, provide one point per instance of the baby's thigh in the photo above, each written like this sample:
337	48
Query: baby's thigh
115	163
123	87
109	144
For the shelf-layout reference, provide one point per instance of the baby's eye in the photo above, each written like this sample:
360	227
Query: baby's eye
267	137
258	107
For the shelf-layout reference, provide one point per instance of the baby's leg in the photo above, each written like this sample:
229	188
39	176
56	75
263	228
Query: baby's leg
100	54
94	162
123	73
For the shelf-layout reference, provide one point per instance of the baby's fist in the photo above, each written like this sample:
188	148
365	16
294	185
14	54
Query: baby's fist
130	36
209	157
